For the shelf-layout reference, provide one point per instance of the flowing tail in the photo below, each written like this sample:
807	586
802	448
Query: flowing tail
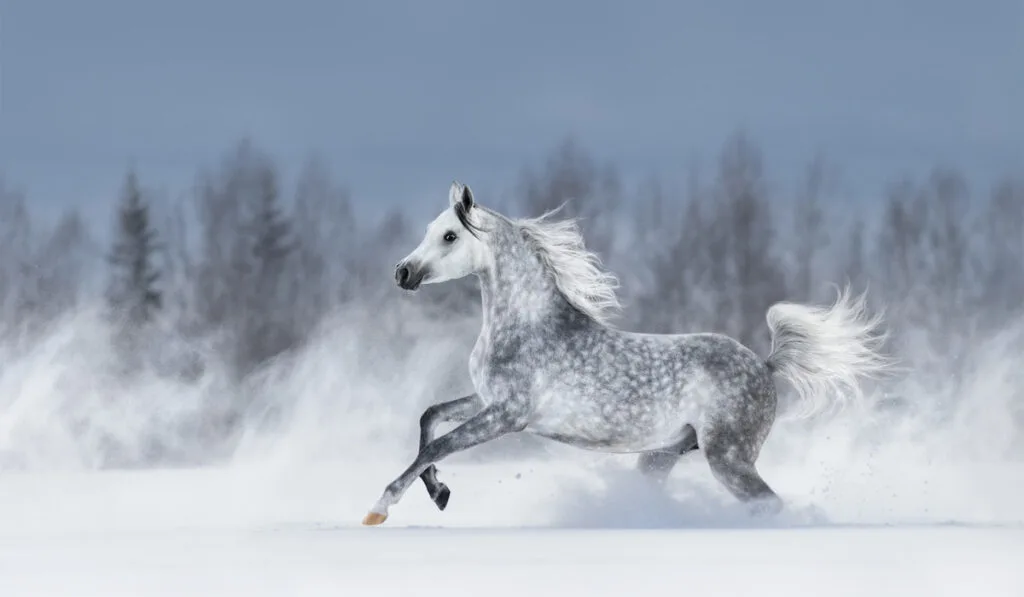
824	352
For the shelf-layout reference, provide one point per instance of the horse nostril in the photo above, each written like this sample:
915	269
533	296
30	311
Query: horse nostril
402	275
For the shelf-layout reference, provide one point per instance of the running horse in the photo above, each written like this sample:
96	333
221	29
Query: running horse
548	361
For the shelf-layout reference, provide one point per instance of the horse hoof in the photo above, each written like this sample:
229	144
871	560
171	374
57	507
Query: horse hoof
374	518
441	499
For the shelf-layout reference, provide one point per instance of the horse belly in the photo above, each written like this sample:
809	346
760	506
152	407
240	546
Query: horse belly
615	426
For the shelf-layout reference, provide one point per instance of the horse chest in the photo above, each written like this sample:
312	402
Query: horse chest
496	365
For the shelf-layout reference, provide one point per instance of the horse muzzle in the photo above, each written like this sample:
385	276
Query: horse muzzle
409	276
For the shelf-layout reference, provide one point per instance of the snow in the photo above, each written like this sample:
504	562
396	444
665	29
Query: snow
509	562
557	525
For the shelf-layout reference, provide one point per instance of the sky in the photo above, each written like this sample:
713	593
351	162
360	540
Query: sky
400	97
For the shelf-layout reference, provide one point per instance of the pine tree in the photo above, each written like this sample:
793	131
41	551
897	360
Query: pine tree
271	232
267	330
133	296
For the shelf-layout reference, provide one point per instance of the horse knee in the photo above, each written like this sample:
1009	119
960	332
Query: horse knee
428	417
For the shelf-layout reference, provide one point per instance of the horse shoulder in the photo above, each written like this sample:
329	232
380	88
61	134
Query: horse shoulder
506	362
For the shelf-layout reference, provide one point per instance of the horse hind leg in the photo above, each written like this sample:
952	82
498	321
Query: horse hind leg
731	451
657	464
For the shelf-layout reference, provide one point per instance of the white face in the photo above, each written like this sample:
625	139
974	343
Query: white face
448	251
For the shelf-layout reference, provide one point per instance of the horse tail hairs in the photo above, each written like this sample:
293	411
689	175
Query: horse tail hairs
825	352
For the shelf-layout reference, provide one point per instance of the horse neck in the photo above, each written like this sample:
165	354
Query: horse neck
516	289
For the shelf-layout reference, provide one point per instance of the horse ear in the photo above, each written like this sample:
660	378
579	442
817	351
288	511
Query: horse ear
454	193
460	193
467	198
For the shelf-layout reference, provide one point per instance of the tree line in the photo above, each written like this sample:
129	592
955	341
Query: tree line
250	269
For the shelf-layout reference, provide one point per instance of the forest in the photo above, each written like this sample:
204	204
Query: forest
225	288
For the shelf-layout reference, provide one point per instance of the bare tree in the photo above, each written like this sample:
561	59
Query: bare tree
747	277
809	231
16	248
950	274
218	283
571	179
1003	270
678	253
901	247
64	260
854	267
325	237
372	276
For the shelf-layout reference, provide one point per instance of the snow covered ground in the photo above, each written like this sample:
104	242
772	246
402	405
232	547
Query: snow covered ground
934	562
584	526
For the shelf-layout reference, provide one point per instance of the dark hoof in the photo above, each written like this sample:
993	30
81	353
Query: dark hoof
441	499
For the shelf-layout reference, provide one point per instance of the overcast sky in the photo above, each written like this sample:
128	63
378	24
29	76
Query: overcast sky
401	97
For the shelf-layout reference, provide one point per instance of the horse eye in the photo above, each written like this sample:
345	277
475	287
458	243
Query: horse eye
449	237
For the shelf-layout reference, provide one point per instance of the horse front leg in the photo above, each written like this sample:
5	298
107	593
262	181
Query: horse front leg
454	411
494	421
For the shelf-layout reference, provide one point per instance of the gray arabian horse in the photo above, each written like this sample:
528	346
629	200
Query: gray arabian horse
549	362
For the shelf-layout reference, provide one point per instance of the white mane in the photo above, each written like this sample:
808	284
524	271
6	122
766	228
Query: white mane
577	271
